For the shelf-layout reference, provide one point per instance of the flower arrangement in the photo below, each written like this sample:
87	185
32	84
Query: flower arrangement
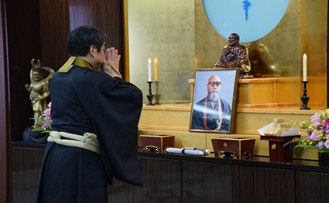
317	132
43	122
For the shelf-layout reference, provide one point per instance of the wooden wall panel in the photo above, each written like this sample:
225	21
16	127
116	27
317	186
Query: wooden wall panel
23	29
106	15
26	164
312	187
206	182
120	192
114	27
259	185
5	169
54	27
210	182
161	181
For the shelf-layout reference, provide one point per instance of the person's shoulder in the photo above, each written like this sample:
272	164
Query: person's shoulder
55	76
81	73
86	77
81	78
241	46
225	103
201	102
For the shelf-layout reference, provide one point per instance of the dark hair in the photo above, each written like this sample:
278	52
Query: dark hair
81	38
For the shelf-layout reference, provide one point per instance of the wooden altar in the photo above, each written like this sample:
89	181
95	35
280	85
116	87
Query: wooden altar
259	101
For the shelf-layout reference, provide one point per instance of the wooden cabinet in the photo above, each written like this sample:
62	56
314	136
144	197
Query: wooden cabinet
207	182
161	183
262	184
213	182
312	186
178	178
26	164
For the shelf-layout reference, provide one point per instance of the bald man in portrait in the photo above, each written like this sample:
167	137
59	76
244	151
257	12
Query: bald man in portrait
212	112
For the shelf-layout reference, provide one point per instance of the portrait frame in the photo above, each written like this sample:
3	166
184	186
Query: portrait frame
206	113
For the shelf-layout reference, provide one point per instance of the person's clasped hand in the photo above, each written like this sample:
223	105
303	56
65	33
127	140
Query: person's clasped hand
112	56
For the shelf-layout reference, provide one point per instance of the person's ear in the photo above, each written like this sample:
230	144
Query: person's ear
92	50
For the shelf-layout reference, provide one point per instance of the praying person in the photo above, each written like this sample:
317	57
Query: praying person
95	115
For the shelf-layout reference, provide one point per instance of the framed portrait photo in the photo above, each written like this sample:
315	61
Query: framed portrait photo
214	100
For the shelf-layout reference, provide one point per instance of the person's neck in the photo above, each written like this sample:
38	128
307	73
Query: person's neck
212	103
87	59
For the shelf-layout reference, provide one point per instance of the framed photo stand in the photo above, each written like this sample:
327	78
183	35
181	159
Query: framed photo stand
214	100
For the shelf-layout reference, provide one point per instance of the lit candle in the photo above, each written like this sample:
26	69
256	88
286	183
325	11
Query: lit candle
304	67
156	70
149	70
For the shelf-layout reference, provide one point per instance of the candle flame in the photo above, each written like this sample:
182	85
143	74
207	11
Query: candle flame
304	56
149	60
155	60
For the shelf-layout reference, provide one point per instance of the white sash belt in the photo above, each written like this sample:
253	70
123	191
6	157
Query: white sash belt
86	141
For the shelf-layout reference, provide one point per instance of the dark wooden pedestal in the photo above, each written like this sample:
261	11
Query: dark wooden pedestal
277	152
160	142
240	147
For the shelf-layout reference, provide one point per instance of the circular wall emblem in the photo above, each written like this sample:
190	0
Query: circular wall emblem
250	19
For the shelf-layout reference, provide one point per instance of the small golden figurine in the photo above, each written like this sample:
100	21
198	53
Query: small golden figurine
234	55
38	88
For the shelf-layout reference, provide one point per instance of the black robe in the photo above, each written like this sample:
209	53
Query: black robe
198	110
84	100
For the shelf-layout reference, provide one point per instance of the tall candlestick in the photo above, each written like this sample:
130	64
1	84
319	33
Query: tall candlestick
150	95
149	70
305	98
304	67
156	70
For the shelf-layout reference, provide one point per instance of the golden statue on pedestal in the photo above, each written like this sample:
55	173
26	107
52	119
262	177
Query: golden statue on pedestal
38	88
234	55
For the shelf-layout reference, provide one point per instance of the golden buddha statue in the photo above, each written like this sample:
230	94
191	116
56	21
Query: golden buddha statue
38	88
234	55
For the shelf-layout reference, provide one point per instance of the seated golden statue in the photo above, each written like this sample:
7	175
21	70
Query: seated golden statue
39	89
261	61
234	55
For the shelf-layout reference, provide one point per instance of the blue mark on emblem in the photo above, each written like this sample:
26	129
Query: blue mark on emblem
252	22
246	5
